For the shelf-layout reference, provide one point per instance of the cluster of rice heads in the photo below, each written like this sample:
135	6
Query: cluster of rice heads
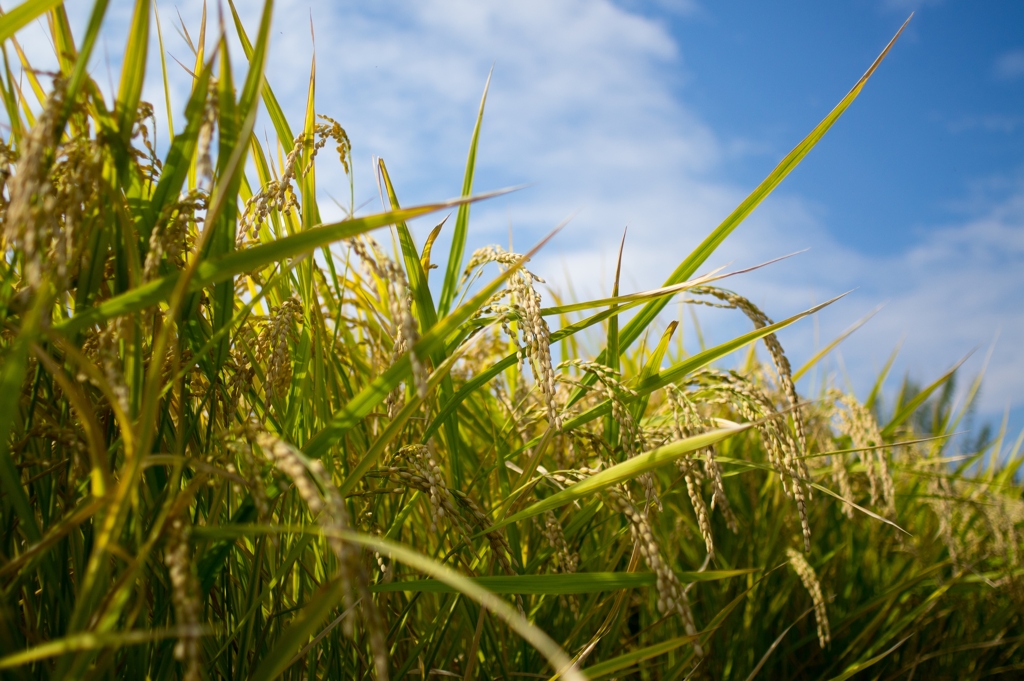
238	442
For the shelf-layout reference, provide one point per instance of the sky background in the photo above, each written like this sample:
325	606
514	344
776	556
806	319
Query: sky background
662	116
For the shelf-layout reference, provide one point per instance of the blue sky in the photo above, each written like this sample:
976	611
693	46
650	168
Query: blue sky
663	115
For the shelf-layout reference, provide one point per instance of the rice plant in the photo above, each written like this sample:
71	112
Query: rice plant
238	442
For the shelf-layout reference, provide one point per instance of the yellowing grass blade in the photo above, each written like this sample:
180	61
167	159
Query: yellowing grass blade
22	15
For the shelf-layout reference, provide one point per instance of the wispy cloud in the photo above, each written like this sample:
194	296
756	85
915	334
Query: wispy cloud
908	5
1009	65
998	123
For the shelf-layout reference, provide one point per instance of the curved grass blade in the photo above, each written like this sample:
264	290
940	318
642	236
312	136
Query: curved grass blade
775	644
650	370
876	389
633	658
304	626
90	641
627	470
558	584
861	666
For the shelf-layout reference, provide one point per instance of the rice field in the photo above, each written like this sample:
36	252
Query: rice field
240	442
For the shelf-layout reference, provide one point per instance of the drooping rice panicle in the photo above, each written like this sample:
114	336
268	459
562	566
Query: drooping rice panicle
810	581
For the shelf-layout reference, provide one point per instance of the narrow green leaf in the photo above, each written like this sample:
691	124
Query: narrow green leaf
630	659
861	666
22	15
454	271
558	584
133	69
685	270
89	641
627	470
809	364
413	264
876	389
651	369
910	407
277	117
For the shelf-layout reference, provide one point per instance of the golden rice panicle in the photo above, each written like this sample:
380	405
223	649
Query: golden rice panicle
31	218
108	357
8	162
331	130
184	594
325	504
174	234
735	392
149	162
274	343
842	479
683	425
810	581
565	558
242	370
1005	516
631	435
672	596
405	329
336	519
532	329
691	474
211	110
276	195
779	359
425	475
860	425
421	461
687	421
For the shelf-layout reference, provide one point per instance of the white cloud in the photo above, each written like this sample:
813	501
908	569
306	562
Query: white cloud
997	123
908	5
1010	65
